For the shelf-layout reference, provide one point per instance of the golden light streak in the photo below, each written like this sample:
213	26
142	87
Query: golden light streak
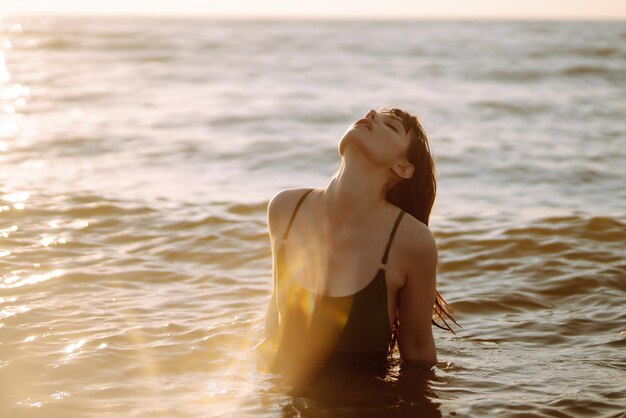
309	324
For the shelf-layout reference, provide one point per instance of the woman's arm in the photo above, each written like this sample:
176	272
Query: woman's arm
417	298
271	315
271	318
277	209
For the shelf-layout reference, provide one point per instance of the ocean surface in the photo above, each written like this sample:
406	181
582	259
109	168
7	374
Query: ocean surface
138	155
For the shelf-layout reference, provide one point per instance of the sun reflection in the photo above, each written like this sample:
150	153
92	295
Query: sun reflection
60	394
18	198
4	233
12	311
214	390
16	92
47	240
15	197
17	281
9	129
31	404
74	346
5	76
16	28
75	224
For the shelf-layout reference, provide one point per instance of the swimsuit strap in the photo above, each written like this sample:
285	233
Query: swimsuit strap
295	211
391	236
393	232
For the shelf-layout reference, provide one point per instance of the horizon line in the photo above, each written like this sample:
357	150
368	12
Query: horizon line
166	14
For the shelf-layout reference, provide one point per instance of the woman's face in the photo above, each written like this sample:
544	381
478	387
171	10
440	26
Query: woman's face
380	136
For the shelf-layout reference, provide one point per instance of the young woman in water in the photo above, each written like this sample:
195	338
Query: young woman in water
355	270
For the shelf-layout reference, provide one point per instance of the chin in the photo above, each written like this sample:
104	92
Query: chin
347	138
350	138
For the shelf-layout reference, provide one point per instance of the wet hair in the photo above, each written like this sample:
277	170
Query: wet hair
416	196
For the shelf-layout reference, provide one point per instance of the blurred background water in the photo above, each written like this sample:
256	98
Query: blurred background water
138	155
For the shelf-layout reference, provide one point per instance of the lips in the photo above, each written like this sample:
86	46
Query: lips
365	121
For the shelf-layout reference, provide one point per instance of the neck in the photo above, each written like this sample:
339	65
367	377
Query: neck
355	193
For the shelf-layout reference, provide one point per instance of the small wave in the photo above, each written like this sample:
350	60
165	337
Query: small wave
92	209
582	70
98	209
605	229
210	220
54	43
619	343
598	52
592	52
156	58
136	46
574	71
516	75
247	209
538	264
588	326
599	228
561	285
577	406
512	302
117	35
513	108
210	45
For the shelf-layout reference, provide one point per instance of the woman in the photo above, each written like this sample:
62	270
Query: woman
355	270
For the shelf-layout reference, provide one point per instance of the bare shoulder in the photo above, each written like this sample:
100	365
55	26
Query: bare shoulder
417	241
417	248
280	208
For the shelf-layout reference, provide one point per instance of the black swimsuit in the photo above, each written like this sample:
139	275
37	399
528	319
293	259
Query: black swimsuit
351	327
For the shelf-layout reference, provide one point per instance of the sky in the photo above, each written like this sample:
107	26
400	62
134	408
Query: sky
510	9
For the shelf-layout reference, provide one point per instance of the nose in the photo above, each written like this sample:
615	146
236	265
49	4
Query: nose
370	118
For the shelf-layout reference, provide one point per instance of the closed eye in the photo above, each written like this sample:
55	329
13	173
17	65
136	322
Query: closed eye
392	127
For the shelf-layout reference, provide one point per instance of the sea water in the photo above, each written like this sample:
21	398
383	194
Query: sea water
138	155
